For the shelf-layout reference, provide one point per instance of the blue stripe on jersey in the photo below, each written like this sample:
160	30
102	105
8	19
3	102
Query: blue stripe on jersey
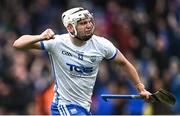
113	55
42	45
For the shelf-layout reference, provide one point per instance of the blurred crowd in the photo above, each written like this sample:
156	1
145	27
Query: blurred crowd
147	32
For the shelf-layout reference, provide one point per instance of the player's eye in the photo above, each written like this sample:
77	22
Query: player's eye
83	23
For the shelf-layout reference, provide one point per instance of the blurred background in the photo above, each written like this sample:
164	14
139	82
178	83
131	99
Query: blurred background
147	32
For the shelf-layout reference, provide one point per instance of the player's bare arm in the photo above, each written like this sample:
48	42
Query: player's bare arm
32	41
130	69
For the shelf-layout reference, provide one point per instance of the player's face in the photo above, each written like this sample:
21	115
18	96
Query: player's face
85	29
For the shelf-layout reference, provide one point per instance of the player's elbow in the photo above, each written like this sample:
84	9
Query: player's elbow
17	45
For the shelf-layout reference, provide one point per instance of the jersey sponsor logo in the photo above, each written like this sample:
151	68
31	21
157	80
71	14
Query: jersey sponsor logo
66	53
79	69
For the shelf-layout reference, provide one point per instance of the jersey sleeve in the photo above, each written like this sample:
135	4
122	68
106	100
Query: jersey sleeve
110	50
48	45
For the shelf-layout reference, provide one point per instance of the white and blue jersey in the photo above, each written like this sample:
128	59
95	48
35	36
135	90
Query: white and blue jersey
75	68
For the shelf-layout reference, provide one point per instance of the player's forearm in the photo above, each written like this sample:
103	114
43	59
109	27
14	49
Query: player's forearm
129	68
26	40
133	75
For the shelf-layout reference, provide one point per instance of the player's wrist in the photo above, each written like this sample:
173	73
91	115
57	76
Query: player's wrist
39	37
140	87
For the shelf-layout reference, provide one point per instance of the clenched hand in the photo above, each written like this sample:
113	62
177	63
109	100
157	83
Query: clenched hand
47	34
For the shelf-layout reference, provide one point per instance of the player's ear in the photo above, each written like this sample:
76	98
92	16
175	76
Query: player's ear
70	28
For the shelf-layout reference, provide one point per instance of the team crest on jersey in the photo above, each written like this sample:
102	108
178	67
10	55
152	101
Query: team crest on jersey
93	58
80	56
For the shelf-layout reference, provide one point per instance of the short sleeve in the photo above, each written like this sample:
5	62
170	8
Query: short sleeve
48	45
110	50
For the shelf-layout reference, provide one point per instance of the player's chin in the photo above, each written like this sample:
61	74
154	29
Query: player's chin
89	35
86	37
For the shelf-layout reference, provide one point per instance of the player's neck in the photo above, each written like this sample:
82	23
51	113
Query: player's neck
78	42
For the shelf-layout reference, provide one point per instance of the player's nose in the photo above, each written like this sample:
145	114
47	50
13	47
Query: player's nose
89	25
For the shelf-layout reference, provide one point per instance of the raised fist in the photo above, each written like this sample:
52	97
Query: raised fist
47	34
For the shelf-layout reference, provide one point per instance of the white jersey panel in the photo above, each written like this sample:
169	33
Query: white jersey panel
75	68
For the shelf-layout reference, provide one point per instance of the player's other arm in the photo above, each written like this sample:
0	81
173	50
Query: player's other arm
32	41
130	69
